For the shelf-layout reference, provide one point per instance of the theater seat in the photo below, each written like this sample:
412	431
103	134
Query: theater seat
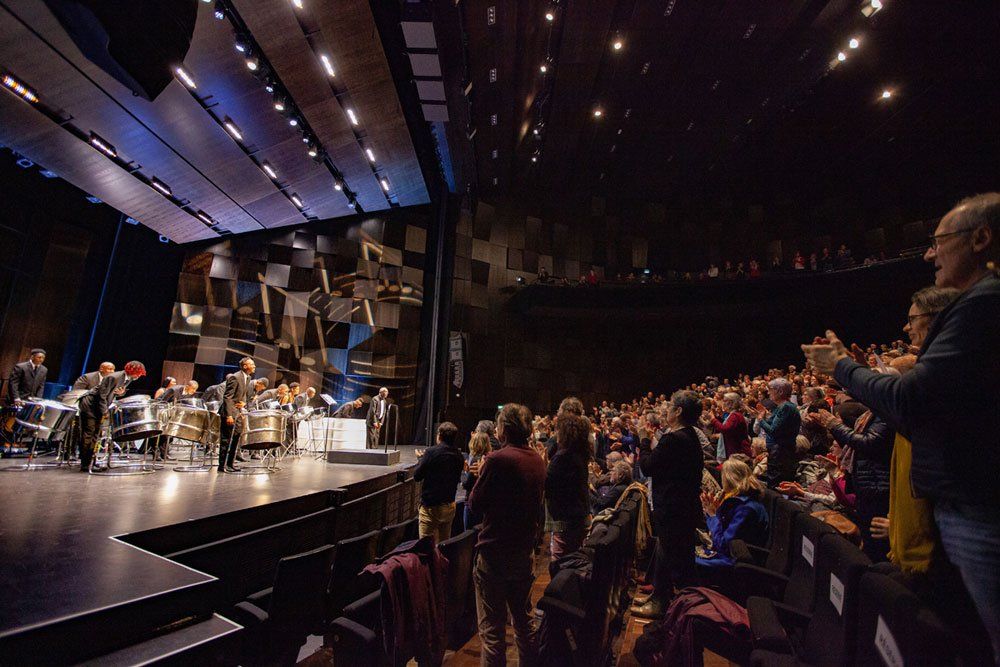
392	536
459	551
825	638
278	619
352	556
775	560
356	637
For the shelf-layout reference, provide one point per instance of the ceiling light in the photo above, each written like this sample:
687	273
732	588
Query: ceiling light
185	78
385	184
371	156
161	186
232	129
269	88
886	94
337	186
543	69
305	139
534	158
293	122
295	200
252	64
19	89
206	218
297	3
876	4
618	44
350	114
269	170
327	65
241	45
279	104
598	113
841	56
313	151
104	146
550	17
854	43
536	132
220	12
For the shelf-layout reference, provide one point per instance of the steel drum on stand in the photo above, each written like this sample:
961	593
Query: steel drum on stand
190	424
130	419
41	419
263	430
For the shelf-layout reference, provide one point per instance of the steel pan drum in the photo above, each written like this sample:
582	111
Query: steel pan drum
213	406
135	419
213	433
303	413
271	404
71	397
192	401
263	429
41	418
134	398
185	422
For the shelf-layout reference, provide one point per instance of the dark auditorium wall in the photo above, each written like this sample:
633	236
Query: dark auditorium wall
615	342
335	305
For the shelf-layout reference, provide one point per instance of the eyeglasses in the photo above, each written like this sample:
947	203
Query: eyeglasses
911	318
934	238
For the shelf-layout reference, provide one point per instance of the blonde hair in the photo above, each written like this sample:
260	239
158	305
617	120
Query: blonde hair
738	479
479	444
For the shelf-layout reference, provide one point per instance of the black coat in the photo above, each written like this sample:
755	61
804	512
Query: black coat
872	453
676	468
566	493
26	382
214	392
96	401
87	381
373	410
238	390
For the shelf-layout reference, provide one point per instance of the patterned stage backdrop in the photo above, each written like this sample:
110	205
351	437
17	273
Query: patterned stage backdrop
331	305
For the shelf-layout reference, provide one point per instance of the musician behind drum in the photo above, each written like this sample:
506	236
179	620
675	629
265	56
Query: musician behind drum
93	378
177	392
304	399
351	410
27	378
376	416
94	405
239	387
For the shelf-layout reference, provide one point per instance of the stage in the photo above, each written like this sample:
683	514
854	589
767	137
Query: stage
64	537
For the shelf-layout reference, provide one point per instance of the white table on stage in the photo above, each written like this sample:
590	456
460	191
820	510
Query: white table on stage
334	433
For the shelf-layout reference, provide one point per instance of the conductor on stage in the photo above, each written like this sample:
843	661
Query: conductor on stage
234	399
27	378
94	405
376	417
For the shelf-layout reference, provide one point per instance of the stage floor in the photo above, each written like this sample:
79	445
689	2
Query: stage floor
58	557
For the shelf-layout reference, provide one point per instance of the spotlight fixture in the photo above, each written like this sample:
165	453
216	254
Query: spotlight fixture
220	10
297	3
370	154
100	144
543	69
295	200
327	65
598	113
253	63
294	122
537	132
876	4
269	87
519	280
313	150
269	170
841	56
337	186
534	158
19	89
306	139
886	94
617	45
385	184
185	78
161	186
205	217
350	114
279	103
241	45
550	17
232	129
854	43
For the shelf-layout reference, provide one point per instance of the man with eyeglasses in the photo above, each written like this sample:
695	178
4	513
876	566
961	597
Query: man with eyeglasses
948	404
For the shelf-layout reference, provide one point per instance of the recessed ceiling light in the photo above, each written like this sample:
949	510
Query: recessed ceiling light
550	17
233	130
19	89
313	151
841	56
161	186
185	78
241	45
385	184
279	104
295	200
269	170
206	218
220	12
886	94
252	64
269	88
876	4
293	122
350	114
854	43
100	144
617	45
536	132
337	186
298	4
543	69
598	113
370	154
327	65
534	158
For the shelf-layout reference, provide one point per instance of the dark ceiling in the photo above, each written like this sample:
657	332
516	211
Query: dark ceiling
741	99
180	139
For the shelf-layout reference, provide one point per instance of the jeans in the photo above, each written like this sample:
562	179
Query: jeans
565	542
436	521
971	539
503	585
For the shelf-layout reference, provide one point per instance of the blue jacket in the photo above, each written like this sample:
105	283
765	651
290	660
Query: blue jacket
738	517
949	404
781	429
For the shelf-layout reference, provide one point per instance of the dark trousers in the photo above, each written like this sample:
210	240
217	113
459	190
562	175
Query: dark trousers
229	440
781	467
674	557
503	590
373	437
90	426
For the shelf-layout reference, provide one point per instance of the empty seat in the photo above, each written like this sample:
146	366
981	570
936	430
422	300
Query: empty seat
459	551
896	628
392	536
278	619
352	556
826	637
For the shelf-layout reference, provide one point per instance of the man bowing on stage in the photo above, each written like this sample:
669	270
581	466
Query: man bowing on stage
94	405
376	417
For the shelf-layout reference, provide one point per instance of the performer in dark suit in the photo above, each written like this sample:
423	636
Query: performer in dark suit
377	411
234	399
179	391
27	378
213	393
305	398
350	410
94	405
93	378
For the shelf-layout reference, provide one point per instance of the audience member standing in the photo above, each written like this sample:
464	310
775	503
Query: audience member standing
566	493
440	470
675	466
948	404
508	495
780	428
732	426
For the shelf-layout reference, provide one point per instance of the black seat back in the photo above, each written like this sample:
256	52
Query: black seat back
896	628
830	636
352	556
392	536
459	551
800	592
782	518
298	597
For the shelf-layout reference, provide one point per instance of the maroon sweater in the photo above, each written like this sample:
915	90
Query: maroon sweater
508	495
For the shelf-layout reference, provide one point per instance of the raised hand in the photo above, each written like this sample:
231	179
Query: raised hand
824	353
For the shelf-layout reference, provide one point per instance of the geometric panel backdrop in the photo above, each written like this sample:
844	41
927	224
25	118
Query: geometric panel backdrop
335	306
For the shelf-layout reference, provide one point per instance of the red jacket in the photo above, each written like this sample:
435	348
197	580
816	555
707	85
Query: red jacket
734	434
